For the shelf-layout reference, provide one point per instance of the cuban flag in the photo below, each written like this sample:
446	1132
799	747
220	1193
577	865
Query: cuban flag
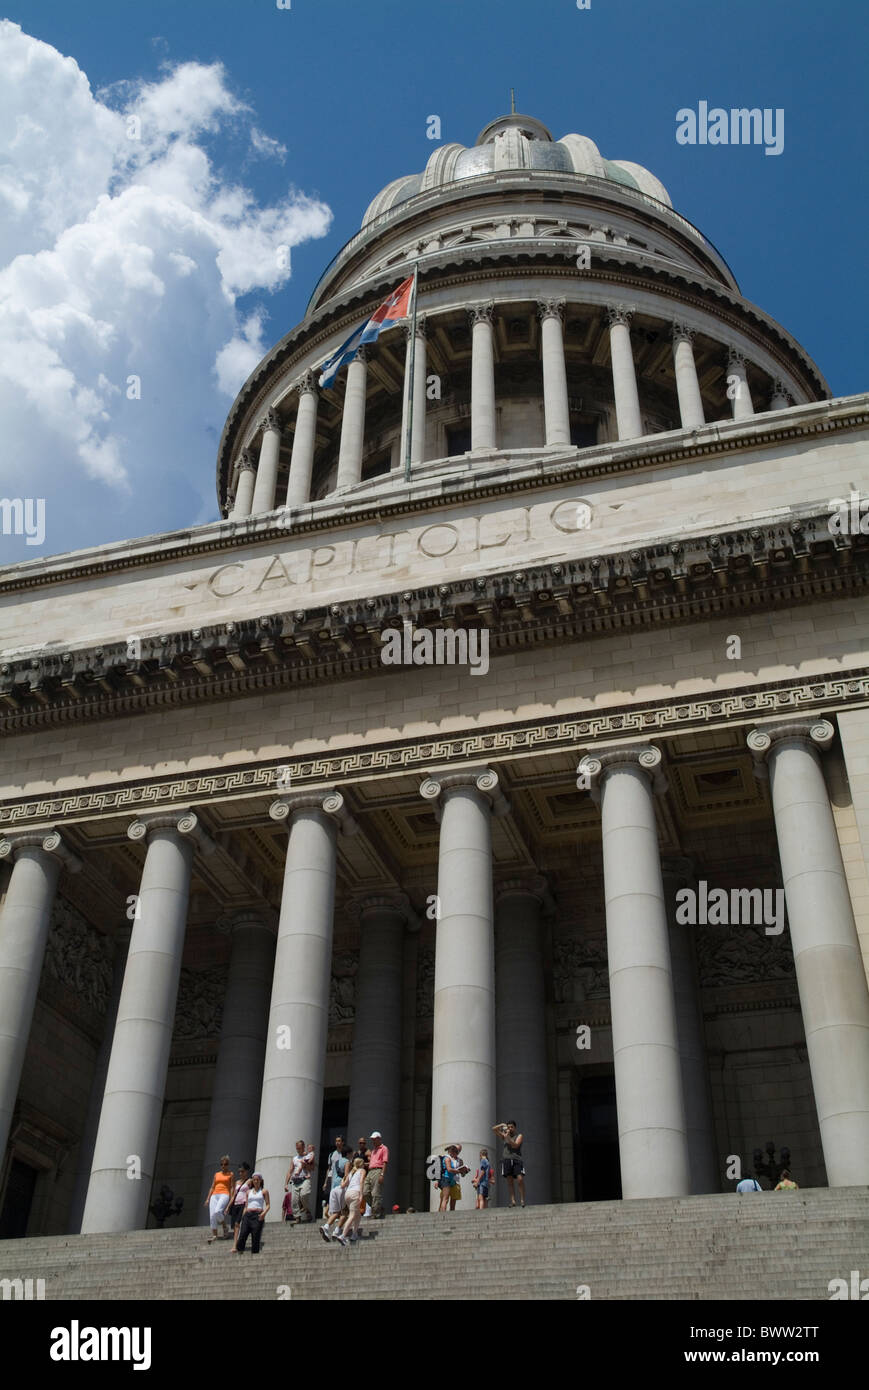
393	309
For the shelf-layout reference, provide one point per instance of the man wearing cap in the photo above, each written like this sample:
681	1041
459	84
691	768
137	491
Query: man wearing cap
372	1189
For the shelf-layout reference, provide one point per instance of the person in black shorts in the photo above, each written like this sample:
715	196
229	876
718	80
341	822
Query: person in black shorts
512	1167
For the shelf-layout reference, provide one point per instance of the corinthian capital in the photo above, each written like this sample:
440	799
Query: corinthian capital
550	309
682	333
306	384
270	421
247	462
481	313
619	313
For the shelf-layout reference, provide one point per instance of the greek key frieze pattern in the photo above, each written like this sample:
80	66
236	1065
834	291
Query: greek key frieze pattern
574	733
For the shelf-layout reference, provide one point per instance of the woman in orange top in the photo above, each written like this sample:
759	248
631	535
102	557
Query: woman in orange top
218	1198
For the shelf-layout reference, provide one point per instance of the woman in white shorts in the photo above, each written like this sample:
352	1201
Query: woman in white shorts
217	1200
352	1185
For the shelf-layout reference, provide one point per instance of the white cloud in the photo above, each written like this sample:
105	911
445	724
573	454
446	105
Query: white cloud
125	258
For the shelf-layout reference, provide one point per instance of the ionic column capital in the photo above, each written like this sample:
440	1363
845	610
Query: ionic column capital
620	313
646	757
247	462
248	918
442	782
814	734
270	421
527	885
368	904
49	841
325	799
306	384
185	823
550	309
481	313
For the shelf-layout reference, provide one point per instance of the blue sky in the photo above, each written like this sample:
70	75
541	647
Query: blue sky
311	111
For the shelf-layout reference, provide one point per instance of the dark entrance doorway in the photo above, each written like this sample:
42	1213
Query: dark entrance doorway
336	1109
596	1139
18	1200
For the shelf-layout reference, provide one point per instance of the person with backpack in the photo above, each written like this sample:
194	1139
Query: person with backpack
749	1185
335	1171
481	1180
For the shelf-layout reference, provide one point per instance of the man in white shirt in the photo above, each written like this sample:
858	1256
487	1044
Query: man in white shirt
298	1181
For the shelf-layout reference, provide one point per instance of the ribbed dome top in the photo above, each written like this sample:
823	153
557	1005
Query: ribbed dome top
515	142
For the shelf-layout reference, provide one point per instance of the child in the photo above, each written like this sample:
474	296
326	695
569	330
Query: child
481	1180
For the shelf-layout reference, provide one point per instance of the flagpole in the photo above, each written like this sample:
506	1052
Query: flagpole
410	378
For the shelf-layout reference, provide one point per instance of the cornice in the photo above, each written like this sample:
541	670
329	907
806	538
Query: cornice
494	745
772	563
509	472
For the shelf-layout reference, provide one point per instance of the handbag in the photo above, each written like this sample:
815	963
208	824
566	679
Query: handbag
456	1191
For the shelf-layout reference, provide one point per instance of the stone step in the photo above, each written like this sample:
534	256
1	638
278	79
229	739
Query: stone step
789	1244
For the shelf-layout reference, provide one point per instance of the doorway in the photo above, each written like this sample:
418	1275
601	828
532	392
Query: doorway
596	1139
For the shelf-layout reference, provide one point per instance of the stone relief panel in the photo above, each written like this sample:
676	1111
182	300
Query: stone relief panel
342	988
79	957
579	969
199	1012
742	956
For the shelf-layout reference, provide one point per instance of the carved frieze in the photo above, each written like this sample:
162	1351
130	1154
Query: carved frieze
342	988
79	957
199	1011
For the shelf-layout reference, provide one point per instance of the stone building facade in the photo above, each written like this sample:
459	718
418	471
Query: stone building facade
260	885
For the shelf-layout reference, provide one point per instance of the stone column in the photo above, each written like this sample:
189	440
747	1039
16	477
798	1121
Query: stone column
375	1065
653	1147
628	418
687	385
98	1084
238	1075
38	857
463	1044
830	974
737	388
244	487
678	872
126	1145
780	399
295	1058
267	468
522	1082
304	439
483	417
417	443
555	405
353	422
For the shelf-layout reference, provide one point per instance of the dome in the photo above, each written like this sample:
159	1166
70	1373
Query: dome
516	142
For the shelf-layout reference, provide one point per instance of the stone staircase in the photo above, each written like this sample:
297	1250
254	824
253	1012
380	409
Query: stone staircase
784	1245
